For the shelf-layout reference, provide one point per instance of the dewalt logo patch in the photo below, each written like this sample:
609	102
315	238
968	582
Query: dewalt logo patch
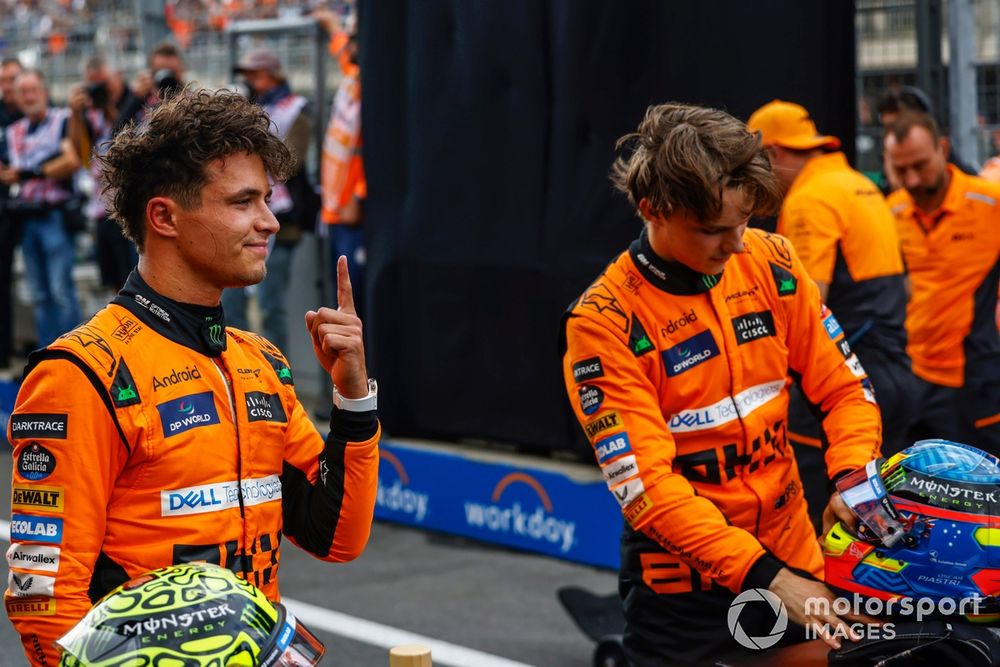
45	498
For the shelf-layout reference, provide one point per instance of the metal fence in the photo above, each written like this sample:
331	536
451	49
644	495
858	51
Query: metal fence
901	42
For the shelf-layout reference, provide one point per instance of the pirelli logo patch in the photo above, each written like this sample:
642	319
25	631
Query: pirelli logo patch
45	498
608	421
30	606
637	508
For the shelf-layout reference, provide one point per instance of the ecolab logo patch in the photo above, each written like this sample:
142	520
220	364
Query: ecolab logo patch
39	425
611	447
686	355
33	557
219	496
36	528
187	412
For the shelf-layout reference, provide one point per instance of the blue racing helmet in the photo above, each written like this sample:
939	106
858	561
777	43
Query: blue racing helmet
929	526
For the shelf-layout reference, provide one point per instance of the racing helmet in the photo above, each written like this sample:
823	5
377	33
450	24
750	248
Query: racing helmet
929	526
189	615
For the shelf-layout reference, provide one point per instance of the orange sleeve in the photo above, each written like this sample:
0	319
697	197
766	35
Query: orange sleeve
67	456
814	227
831	377
328	488
631	440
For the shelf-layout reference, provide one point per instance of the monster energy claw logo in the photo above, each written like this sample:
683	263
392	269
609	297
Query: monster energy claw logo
215	334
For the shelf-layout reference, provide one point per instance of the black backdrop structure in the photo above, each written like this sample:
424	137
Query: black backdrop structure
489	130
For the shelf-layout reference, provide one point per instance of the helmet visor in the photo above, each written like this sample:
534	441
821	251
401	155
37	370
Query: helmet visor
296	646
864	493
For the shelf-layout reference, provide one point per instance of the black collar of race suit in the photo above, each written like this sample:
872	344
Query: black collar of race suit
201	328
671	277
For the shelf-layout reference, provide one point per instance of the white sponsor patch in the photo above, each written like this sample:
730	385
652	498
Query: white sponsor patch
620	470
629	491
726	410
219	496
853	363
33	557
24	584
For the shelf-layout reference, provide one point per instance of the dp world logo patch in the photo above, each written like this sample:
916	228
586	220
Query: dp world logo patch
754	596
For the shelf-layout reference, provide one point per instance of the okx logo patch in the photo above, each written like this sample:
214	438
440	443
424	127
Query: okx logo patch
689	353
187	412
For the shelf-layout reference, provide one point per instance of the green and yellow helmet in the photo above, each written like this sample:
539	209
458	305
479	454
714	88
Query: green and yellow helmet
189	615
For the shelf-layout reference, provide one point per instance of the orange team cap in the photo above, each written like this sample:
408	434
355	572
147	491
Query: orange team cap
788	125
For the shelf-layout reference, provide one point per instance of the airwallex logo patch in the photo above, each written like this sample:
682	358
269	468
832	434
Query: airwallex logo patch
187	412
531	516
686	355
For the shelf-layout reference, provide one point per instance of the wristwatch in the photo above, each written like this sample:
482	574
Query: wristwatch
363	404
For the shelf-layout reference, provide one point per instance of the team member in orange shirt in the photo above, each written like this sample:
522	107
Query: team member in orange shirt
949	227
676	363
153	435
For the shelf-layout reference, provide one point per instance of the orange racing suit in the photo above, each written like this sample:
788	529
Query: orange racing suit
150	436
679	382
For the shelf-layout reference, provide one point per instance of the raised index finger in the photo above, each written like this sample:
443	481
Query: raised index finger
345	294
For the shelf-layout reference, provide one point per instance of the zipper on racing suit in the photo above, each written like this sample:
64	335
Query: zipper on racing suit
231	396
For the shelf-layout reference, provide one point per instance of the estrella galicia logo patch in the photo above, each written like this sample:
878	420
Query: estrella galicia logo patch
588	369
39	425
265	407
784	280
689	353
612	447
27	528
283	371
832	327
123	390
591	398
638	340
187	412
752	326
35	462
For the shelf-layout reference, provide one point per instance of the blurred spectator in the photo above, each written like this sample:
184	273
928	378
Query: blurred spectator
342	176
41	158
9	229
99	108
165	73
290	201
949	227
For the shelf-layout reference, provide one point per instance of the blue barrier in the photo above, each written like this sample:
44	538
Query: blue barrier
8	392
519	506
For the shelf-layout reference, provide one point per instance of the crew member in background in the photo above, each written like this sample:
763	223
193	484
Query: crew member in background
40	158
342	174
845	235
289	114
949	228
676	363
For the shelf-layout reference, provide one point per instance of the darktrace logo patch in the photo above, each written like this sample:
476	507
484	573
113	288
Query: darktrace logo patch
753	326
588	369
187	412
689	353
39	425
35	462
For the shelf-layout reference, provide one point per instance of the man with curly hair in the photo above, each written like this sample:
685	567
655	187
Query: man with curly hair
676	362
153	434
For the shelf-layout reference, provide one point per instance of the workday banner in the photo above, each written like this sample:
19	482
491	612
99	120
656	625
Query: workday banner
521	507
